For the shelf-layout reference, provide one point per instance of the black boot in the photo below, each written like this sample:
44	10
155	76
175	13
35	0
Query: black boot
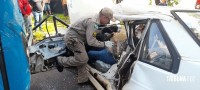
58	66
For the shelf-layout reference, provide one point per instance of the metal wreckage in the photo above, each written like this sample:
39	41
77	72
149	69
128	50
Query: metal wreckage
152	55
148	54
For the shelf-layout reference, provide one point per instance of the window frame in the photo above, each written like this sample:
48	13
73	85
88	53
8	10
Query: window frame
171	48
173	12
129	25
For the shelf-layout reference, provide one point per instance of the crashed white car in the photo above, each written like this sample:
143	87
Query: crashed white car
164	56
161	52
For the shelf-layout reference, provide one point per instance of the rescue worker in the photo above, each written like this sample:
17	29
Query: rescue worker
77	36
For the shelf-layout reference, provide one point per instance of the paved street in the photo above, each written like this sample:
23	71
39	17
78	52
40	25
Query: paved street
54	80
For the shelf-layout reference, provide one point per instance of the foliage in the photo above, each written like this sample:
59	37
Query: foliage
169	2
150	2
40	34
172	2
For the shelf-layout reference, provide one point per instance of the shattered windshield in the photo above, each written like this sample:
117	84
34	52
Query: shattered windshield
192	20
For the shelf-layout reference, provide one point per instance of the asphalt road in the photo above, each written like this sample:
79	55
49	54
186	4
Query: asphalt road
54	80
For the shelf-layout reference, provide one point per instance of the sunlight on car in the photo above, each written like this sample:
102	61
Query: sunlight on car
192	20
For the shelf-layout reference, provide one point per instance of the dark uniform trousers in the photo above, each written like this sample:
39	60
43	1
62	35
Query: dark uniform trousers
79	59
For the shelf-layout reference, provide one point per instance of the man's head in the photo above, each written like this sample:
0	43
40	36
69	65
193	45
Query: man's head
105	15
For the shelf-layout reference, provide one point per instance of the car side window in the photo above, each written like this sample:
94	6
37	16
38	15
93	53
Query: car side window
155	50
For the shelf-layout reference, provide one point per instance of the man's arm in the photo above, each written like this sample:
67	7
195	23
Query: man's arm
91	39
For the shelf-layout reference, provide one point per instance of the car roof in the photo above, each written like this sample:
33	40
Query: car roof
142	17
157	12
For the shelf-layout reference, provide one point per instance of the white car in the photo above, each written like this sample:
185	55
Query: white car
166	56
162	51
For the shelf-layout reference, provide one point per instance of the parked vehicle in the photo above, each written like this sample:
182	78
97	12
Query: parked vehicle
14	65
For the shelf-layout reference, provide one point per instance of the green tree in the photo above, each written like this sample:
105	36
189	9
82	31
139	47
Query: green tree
150	2
169	2
172	2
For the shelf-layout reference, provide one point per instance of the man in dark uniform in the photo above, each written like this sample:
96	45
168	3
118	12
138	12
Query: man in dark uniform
78	35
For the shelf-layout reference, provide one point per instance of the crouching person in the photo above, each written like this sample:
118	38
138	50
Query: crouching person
77	36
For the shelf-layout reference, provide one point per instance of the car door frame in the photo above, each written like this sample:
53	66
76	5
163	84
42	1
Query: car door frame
177	17
139	63
172	50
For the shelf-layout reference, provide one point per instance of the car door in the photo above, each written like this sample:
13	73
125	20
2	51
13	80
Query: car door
157	61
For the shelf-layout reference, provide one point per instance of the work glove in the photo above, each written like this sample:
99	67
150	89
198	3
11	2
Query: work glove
109	44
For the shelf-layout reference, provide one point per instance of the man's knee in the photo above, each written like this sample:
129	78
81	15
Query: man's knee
83	60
